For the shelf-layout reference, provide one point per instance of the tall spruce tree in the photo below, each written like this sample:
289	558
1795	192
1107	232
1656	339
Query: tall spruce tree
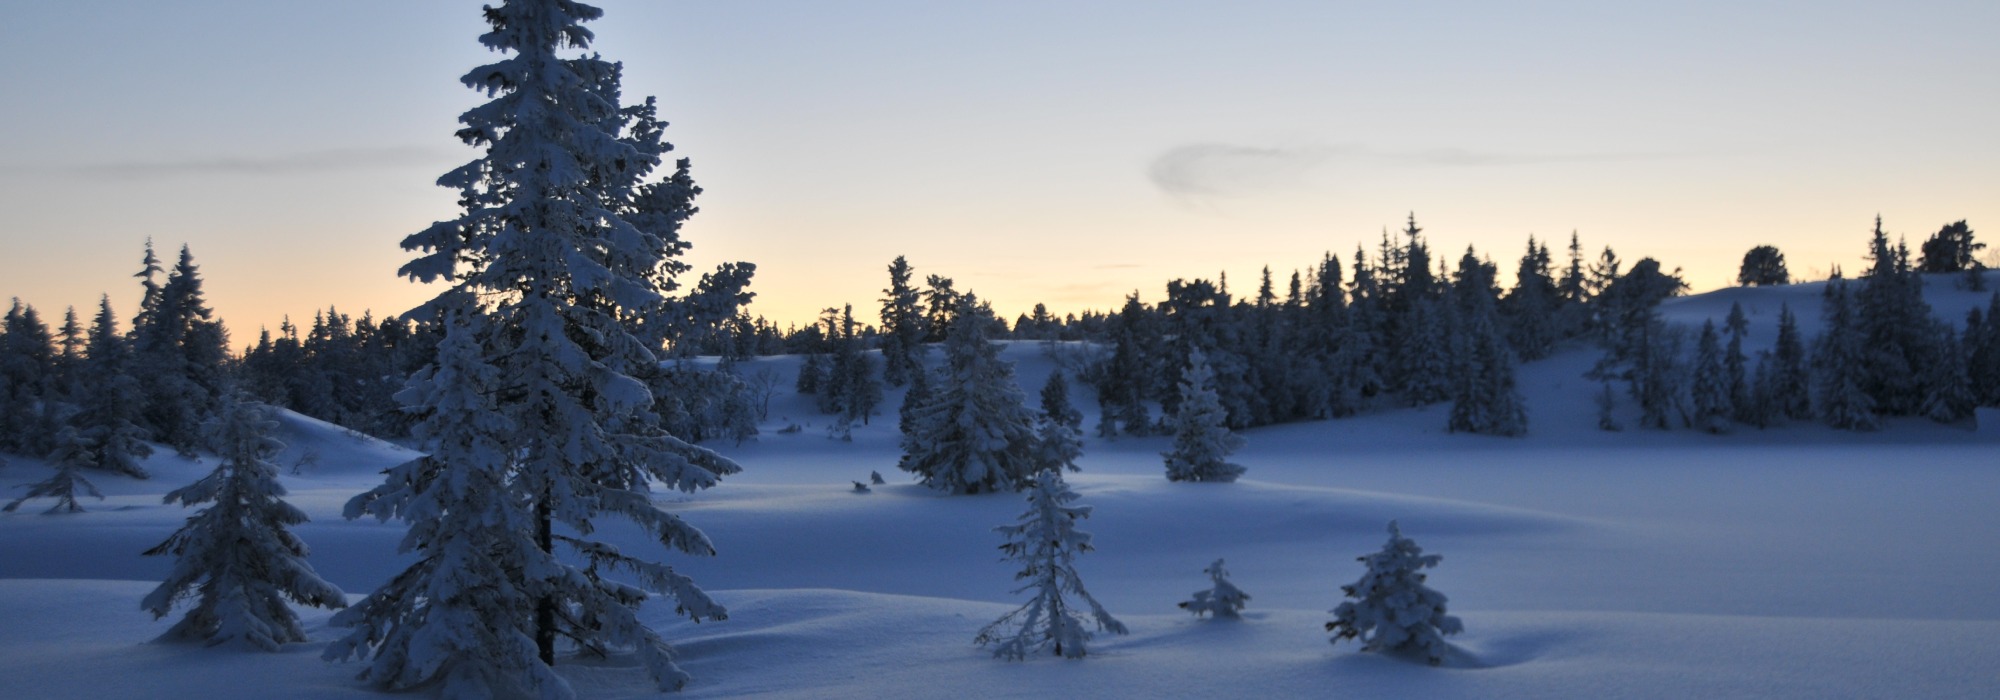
1791	393
903	332
27	382
556	242
179	352
109	411
1483	395
1736	366
1840	399
1713	408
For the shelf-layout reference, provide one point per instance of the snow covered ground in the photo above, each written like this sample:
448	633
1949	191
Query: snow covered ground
1795	562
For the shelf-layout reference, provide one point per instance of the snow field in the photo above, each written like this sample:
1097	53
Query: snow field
1795	562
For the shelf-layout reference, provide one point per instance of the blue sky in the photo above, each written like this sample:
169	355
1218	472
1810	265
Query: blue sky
1059	152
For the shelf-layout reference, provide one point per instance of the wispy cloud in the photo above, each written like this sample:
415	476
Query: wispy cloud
1212	171
1207	170
261	165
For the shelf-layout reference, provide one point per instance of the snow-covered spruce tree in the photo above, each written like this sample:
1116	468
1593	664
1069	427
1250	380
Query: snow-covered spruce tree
1046	542
109	410
1947	391
27	360
1839	398
237	556
1791	379
72	454
179	353
903	346
1222	598
1483	395
1736	366
558	435
1712	407
1982	341
1060	426
975	434
1392	609
1202	439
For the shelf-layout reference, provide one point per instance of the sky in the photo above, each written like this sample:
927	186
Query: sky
1034	151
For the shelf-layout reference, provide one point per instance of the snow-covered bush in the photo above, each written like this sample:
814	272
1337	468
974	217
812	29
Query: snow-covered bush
1223	598
72	454
1392	609
1046	543
236	556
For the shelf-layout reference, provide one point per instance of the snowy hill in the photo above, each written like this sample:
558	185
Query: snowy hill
1793	562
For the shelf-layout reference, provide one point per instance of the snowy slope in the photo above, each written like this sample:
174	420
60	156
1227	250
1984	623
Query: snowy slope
1794	562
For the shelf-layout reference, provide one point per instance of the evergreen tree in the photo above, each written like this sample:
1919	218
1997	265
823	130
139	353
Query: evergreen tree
179	352
1060	426
903	330
238	556
1222	598
1392	609
564	241
1123	380
1046	543
1531	308
1736	367
1894	327
1840	400
71	455
1791	379
1483	395
108	412
1713	406
1948	394
975	434
1202	439
1982	340
27	382
1426	356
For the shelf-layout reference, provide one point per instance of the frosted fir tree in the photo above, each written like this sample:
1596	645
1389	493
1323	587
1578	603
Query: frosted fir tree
1202	439
1947	390
72	454
974	434
1713	406
1222	598
1483	395
237	557
1392	609
1839	374
563	242
1736	366
109	411
903	346
1791	378
1059	613
1060	426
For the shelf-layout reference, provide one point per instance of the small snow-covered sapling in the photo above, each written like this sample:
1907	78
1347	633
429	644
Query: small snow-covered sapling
1392	609
1224	598
876	478
1045	542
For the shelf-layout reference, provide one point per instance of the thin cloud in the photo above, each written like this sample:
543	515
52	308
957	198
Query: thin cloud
1205	172
285	164
1208	170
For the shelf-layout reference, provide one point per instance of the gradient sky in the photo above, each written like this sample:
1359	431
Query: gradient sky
1060	152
